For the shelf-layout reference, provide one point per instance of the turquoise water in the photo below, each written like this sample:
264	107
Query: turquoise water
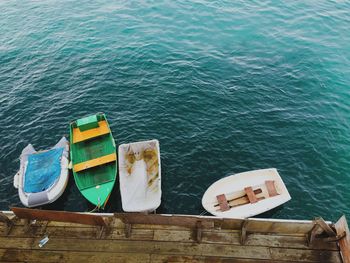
226	87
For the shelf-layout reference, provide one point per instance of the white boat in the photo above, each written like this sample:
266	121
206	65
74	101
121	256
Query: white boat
140	176
43	175
246	194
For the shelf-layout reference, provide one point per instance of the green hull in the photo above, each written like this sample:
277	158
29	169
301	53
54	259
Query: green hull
95	183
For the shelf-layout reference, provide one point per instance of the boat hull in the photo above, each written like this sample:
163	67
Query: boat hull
94	181
140	176
55	190
233	187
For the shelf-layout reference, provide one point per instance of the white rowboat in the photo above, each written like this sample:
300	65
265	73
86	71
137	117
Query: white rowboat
246	194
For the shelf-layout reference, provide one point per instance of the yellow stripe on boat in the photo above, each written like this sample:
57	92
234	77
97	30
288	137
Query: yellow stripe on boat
79	136
95	162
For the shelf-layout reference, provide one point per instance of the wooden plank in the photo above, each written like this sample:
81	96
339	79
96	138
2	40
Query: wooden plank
156	258
116	223
281	227
288	241
251	196
49	215
186	235
178	248
253	250
126	246
242	197
255	225
93	257
306	255
152	219
293	227
79	136
169	234
342	226
8	224
173	235
82	233
95	162
271	189
223	203
175	248
16	255
330	232
243	234
225	223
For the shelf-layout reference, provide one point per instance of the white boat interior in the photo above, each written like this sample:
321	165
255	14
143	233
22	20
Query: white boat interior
140	176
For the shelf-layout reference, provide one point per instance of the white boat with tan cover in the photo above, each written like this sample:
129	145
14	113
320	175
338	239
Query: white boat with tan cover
246	194
140	176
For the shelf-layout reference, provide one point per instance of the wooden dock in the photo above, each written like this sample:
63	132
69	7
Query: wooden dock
77	237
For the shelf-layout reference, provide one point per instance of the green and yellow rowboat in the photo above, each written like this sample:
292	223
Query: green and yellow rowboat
94	159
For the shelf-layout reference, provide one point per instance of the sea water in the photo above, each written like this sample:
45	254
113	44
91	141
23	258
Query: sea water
225	86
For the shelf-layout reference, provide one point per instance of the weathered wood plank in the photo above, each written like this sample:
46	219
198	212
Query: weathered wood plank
267	226
289	241
153	219
271	188
40	256
344	244
251	195
187	235
174	235
169	239
183	222
15	255
127	246
223	202
306	255
259	226
175	248
320	221
58	216
156	258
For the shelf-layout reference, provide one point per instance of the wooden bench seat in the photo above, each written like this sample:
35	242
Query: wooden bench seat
224	206
251	195
80	136
271	189
95	162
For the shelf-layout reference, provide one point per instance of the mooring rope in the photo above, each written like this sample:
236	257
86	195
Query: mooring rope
203	213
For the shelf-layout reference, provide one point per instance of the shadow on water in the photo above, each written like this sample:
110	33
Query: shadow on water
270	213
73	196
114	202
59	204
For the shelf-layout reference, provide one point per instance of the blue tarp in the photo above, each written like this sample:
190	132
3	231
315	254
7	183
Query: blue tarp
42	170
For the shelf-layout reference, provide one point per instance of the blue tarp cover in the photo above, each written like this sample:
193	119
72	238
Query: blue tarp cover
42	170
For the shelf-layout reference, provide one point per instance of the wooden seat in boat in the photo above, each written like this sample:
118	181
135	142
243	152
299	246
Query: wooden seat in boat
80	136
95	162
251	195
271	189
224	206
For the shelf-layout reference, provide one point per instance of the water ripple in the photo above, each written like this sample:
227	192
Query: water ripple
225	88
